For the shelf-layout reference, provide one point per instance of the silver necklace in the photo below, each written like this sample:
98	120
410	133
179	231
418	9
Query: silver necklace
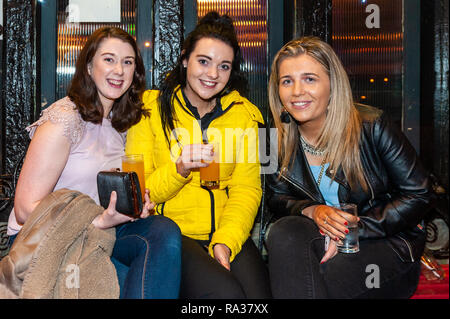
311	149
322	168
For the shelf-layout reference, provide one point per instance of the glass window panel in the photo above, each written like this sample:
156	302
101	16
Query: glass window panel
72	36
372	53
250	21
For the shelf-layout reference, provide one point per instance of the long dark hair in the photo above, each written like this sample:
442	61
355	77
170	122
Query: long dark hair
127	110
215	26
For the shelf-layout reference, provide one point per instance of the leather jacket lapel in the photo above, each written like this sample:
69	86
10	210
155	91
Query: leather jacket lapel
300	176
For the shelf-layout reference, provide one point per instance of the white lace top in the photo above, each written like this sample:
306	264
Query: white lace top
94	147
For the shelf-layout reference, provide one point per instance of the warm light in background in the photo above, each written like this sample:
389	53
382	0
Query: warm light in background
378	37
250	22
71	38
249	19
372	57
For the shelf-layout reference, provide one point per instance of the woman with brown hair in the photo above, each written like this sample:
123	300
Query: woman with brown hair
332	151
84	133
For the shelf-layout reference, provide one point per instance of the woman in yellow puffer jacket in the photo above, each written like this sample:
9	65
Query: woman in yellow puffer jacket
199	103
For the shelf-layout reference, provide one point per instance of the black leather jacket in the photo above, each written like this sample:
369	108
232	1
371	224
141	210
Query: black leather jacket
399	189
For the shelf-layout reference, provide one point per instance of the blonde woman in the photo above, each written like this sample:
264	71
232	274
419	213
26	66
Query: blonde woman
333	151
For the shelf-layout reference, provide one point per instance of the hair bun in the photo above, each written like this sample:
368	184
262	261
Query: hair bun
214	17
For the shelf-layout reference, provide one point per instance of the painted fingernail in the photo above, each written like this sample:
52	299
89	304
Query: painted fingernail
321	232
345	223
346	231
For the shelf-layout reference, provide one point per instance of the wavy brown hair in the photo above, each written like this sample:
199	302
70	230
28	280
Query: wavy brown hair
127	110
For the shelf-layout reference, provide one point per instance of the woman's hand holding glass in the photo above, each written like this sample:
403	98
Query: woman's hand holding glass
332	222
194	156
111	217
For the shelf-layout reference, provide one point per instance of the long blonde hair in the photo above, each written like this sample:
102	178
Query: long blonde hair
341	132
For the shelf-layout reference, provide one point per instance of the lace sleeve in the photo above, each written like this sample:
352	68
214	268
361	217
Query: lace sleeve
62	112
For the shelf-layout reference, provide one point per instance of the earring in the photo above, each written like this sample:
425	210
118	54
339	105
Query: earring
285	117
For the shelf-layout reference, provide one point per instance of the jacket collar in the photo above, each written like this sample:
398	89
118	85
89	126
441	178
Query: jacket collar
215	112
300	175
206	120
225	103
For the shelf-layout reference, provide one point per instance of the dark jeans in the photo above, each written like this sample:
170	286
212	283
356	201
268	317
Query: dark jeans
147	257
295	248
204	277
11	240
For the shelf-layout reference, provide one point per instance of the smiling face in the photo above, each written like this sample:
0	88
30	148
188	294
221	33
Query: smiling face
304	89
208	70
112	69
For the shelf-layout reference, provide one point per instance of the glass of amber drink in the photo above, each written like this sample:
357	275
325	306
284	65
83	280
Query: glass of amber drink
210	175
135	163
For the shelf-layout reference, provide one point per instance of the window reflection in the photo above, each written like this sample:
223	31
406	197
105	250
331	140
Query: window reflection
250	21
369	40
72	36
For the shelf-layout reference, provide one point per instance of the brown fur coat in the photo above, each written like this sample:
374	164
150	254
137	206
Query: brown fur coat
60	254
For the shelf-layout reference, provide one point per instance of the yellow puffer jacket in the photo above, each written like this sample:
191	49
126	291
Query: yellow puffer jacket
223	215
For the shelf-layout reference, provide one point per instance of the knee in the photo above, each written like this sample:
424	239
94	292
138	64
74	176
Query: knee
168	232
229	288
290	230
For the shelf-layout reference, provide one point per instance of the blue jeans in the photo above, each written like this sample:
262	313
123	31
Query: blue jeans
11	240
147	257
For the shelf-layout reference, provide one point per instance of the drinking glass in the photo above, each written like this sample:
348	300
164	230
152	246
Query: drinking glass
135	163
350	243
210	175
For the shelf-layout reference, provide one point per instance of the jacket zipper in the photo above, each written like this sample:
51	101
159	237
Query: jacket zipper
409	247
211	194
371	189
298	186
160	209
213	212
371	204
